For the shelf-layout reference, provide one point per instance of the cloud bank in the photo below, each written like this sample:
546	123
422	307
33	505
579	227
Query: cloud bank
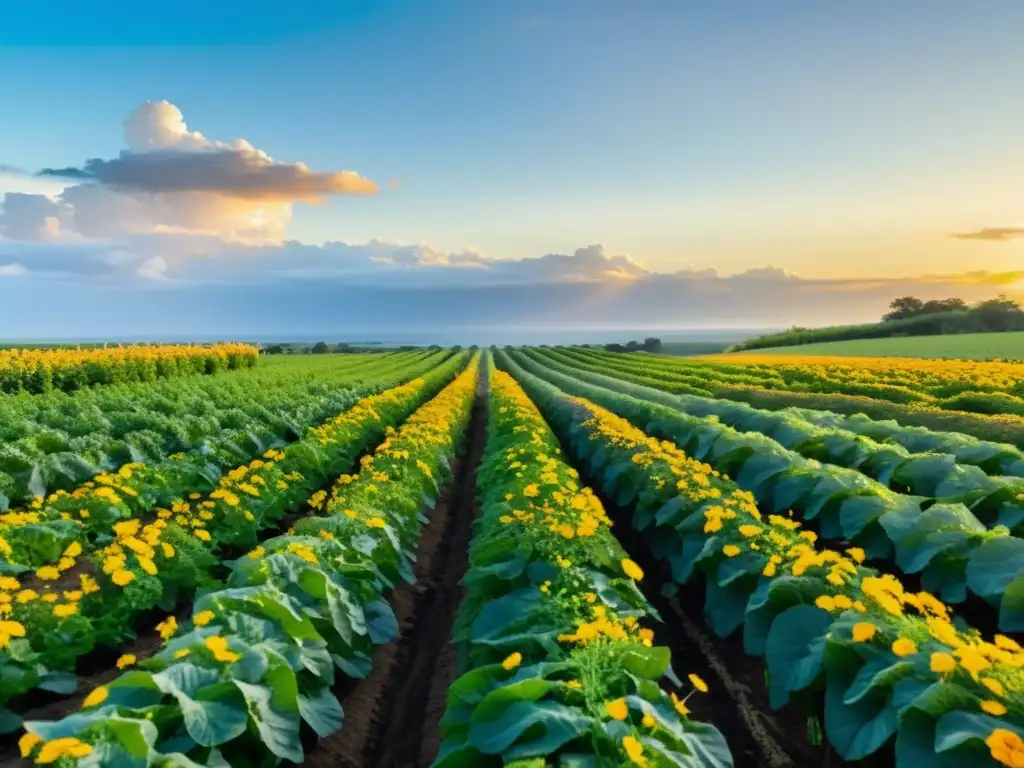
174	180
184	236
992	234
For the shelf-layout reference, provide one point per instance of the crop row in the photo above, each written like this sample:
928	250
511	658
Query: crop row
235	684
994	458
887	666
559	664
954	549
158	562
36	535
57	441
933	475
43	370
980	387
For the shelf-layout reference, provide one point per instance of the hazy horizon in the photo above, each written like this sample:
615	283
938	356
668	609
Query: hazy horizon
312	166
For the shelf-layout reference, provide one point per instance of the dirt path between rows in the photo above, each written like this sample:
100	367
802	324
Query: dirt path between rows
391	717
737	702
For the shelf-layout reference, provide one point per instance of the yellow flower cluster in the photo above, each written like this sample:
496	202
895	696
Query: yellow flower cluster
104	490
73	368
908	623
912	374
562	521
357	497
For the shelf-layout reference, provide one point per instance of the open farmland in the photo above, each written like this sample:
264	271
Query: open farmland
525	557
964	346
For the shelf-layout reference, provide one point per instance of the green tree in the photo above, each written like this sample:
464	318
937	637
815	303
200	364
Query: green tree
903	307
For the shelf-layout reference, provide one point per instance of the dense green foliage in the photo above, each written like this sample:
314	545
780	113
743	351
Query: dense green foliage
58	441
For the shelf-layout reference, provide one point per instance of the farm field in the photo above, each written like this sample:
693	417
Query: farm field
963	346
522	556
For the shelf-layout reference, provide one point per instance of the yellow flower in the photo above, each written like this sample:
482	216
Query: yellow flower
993	707
1006	747
904	647
126	661
513	661
96	697
942	663
617	709
632	570
9	629
122	577
698	683
65	610
202	618
634	750
58	748
680	705
863	631
648	721
48	573
181	654
167	627
219	647
730	550
375	522
574	684
28	742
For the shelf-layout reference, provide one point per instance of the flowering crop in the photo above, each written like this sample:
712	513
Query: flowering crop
64	612
58	441
41	370
965	385
560	665
885	450
234	685
957	549
891	662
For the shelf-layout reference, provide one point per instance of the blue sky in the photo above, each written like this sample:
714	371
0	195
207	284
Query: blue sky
826	139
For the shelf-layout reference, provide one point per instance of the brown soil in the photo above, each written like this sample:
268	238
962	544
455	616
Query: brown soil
391	717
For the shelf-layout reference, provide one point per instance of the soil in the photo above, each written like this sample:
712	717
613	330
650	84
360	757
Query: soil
392	716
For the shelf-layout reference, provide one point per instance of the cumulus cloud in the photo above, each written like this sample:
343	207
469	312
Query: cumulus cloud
992	234
171	179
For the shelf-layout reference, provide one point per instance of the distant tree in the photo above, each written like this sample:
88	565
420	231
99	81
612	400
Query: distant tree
320	348
276	349
614	348
1000	314
344	348
943	305
652	344
903	307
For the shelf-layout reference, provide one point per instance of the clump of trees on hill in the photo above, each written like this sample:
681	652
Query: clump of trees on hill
998	314
650	344
907	316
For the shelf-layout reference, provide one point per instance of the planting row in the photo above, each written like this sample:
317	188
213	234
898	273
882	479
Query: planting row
886	667
956	550
933	475
559	667
981	387
791	425
57	441
43	370
92	599
38	534
254	667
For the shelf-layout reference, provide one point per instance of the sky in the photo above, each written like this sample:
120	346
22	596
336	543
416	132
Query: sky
160	154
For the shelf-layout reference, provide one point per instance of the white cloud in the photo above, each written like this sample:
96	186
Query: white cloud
174	180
